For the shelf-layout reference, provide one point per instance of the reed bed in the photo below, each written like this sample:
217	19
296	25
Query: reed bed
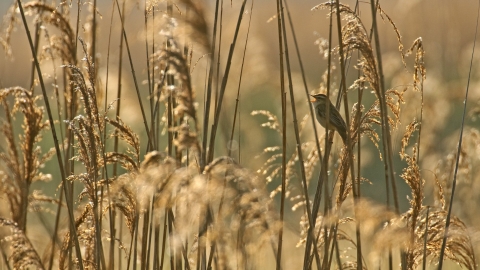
158	141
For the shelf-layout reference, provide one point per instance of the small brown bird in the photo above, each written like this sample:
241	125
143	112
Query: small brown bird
335	121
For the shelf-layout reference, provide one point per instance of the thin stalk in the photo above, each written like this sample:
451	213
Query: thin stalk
297	133
132	243
425	240
135	240
156	123
329	257
147	130
94	39
459	148
322	177
66	157
237	100
359	137
206	114
348	148
77	27
170	124
149	77
170	100
120	252
387	139
145	230
224	85
115	142
337	249
150	232
421	109
170	242
219	56
304	80
111	262
326	235
55	230
387	144
156	244
164	239
54	135
37	42
284	137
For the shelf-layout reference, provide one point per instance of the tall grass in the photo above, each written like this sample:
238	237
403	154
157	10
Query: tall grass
148	171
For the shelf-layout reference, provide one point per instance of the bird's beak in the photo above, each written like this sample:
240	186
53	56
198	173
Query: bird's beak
313	99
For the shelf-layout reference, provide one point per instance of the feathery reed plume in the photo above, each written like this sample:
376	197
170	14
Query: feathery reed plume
10	20
174	59
61	46
355	37
194	17
131	159
22	164
180	89
271	169
90	148
86	234
247	214
459	246
64	44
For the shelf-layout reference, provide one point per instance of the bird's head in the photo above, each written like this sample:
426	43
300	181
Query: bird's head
318	99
